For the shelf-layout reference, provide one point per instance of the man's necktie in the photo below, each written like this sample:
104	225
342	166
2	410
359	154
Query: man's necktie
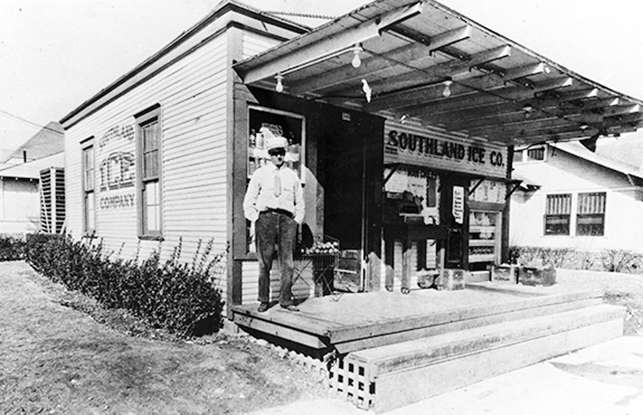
277	184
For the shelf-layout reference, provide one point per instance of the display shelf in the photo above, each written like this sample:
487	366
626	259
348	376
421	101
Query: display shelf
482	258
482	228
482	242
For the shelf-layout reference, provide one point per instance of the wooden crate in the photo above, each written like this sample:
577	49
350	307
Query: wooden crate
451	279
537	276
504	273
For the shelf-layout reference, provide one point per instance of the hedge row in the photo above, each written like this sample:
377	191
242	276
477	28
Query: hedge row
174	295
12	247
611	260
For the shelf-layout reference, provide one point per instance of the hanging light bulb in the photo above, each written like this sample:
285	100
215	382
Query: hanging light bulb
446	92
357	61
279	87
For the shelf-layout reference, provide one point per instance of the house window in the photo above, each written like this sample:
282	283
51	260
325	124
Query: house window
590	216
149	173
89	199
536	154
557	214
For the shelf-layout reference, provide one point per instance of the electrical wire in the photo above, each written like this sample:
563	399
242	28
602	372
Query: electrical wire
7	113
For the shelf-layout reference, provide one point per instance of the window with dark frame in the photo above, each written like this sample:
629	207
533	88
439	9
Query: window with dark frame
89	198
536	153
557	214
590	214
149	183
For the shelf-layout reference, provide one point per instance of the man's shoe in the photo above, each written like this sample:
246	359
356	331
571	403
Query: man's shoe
263	307
290	307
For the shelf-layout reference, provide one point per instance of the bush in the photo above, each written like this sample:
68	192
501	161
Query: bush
173	294
12	247
611	260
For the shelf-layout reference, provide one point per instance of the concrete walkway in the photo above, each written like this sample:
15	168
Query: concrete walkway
606	379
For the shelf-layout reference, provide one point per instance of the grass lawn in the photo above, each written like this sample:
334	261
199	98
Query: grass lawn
62	353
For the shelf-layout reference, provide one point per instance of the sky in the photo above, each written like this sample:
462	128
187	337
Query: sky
55	54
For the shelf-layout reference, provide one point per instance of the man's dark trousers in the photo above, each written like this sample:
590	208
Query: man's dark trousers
275	228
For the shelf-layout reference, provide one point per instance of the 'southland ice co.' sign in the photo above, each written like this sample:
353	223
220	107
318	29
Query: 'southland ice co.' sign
418	147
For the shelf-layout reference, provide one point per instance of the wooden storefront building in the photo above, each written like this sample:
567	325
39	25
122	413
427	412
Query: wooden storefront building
401	117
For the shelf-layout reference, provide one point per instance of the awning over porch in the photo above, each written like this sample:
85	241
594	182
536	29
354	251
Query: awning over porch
410	58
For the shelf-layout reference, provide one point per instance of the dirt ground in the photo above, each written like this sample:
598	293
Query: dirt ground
61	353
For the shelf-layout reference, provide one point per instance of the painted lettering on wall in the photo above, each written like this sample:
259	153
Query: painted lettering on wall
422	145
117	201
117	132
117	171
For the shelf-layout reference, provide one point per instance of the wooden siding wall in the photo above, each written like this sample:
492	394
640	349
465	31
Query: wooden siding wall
192	96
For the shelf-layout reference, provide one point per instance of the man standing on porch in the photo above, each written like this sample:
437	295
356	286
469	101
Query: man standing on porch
274	201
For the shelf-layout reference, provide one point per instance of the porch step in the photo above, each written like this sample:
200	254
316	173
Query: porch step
394	375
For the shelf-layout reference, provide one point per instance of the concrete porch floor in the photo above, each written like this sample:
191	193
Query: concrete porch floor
350	322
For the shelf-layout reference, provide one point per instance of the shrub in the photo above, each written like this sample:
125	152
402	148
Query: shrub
611	260
539	257
12	247
171	294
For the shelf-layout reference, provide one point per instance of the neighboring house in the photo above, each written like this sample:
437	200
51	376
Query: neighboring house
20	203
46	142
574	198
20	195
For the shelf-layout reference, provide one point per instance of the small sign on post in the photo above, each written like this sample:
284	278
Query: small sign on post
457	207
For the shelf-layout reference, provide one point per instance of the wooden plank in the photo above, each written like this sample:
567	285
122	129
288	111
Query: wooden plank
373	66
483	99
563	104
280	331
407	322
413	334
299	320
392	80
403	388
328	46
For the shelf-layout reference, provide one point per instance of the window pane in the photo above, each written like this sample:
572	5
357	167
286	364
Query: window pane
151	193
88	168
590	225
90	217
559	204
150	135
151	208
557	225
150	164
537	153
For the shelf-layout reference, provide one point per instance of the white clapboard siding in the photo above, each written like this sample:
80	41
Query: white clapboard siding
254	43
192	95
303	286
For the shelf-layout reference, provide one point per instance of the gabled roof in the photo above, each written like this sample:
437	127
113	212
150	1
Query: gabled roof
578	150
49	140
187	41
422	59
